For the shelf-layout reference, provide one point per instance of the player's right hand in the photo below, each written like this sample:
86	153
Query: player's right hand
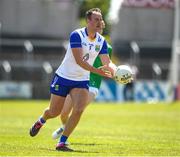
104	72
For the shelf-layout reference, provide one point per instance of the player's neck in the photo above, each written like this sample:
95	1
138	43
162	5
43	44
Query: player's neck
91	34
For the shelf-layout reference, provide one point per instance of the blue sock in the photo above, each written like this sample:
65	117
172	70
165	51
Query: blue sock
63	139
42	120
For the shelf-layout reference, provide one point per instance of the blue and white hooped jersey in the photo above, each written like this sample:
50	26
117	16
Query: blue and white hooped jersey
69	69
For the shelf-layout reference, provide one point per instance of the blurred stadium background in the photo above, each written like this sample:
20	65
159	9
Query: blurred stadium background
144	34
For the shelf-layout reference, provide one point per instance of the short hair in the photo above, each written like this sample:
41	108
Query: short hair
90	12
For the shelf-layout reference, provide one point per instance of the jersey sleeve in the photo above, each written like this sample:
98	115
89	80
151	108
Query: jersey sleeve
75	40
104	49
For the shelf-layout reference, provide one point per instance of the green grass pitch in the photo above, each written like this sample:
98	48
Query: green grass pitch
129	129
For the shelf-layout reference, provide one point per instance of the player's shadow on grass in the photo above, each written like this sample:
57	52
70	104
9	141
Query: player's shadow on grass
86	144
84	151
74	151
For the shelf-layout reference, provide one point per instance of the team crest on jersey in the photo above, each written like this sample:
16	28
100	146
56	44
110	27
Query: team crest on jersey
97	48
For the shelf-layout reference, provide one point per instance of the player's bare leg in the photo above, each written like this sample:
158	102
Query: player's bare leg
54	109
91	98
66	109
63	117
79	97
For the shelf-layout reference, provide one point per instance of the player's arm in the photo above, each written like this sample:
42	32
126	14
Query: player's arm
108	64
76	47
106	61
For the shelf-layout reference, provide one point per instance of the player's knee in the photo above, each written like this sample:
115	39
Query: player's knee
78	111
51	113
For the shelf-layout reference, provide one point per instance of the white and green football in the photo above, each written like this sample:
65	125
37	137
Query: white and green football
123	74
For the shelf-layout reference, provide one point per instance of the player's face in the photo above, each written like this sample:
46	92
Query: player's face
95	22
100	30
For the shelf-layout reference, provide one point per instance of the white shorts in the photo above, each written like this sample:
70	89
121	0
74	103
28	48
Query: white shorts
94	90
